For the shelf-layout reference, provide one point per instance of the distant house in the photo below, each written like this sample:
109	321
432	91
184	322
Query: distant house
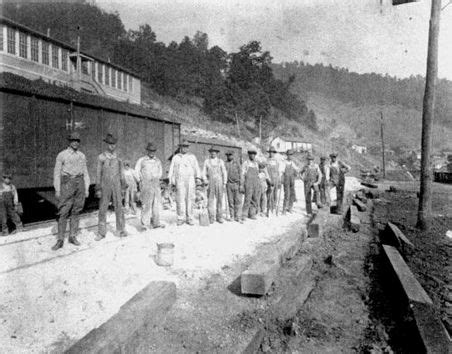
360	149
282	144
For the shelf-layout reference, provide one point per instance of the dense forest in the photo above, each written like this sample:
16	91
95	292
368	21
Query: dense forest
366	89
238	85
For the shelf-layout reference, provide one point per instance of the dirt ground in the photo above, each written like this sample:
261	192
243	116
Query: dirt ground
431	259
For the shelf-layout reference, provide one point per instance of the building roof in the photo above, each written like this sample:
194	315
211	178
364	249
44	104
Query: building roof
218	142
22	28
292	139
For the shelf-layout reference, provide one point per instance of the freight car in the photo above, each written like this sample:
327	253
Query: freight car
200	148
35	119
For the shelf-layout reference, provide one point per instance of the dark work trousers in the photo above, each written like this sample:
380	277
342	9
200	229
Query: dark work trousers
111	190
339	193
70	204
289	188
252	193
234	200
8	210
308	187
272	198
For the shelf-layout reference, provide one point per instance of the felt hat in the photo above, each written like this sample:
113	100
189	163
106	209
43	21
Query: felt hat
213	149
110	139
184	143
252	151
333	154
151	147
289	152
272	149
74	136
7	175
322	158
229	152
310	157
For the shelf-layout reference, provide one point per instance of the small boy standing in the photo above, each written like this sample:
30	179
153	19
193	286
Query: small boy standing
131	191
8	205
265	181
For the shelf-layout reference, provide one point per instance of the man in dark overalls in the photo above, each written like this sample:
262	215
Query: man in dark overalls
275	179
290	172
233	169
324	186
251	186
338	169
71	182
311	176
9	200
109	182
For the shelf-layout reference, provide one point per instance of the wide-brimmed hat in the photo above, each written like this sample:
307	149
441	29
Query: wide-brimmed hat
310	157
333	154
213	149
322	158
272	149
252	151
151	147
7	175
289	152
110	139
229	152
184	143
73	136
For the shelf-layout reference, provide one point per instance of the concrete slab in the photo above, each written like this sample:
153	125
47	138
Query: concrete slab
397	238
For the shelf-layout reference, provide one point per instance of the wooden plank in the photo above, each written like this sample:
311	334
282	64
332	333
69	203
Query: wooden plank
360	205
411	287
122	332
258	278
370	185
354	219
399	237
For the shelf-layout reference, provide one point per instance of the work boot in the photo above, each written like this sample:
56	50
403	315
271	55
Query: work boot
159	226
99	237
220	221
180	223
59	244
5	233
191	223
73	240
123	233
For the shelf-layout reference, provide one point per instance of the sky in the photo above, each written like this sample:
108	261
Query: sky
361	35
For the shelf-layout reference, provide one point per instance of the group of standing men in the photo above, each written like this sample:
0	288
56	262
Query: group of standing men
71	183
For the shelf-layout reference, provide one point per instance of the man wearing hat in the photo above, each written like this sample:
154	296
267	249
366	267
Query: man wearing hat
324	186
273	170
183	172
149	171
9	200
215	173
311	176
71	182
251	185
109	182
233	170
338	169
290	172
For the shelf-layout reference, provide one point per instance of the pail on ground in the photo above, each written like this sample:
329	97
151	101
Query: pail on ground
165	254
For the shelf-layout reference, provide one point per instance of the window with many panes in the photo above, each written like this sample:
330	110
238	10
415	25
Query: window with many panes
55	57
119	80
64	59
100	68
125	82
107	76
113	78
23	45
1	38
130	83
34	49
45	53
11	36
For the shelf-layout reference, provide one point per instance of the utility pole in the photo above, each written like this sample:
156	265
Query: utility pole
425	196
260	130
382	145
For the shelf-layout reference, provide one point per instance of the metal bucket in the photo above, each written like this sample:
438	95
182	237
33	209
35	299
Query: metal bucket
165	254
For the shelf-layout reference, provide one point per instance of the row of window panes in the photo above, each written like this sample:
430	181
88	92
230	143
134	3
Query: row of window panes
34	46
118	79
